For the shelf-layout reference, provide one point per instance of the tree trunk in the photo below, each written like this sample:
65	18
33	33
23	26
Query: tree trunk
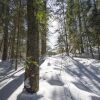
43	41
80	27
32	70
18	33
91	50
44	31
98	45
98	52
87	34
13	43
5	36
65	30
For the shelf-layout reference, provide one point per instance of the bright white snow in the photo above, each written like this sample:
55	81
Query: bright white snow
61	78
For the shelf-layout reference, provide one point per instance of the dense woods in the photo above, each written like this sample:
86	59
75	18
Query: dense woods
79	21
24	32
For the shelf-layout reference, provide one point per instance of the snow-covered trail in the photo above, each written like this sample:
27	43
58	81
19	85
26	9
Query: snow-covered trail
51	79
61	78
78	77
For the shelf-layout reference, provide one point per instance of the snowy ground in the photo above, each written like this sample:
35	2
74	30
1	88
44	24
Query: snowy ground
61	78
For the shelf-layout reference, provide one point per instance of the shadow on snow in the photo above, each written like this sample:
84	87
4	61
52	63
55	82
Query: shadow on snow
7	90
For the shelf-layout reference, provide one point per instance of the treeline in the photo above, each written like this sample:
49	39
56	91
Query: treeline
79	22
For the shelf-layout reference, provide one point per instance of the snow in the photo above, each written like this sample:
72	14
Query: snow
26	83
4	67
61	78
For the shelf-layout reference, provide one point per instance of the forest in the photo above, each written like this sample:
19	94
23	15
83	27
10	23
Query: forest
49	49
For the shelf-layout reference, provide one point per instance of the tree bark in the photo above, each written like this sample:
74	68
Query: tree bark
80	27
18	33
5	36
32	69
44	32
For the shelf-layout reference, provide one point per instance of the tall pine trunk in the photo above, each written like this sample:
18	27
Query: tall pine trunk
5	28
44	32
65	30
43	43
18	33
80	27
32	69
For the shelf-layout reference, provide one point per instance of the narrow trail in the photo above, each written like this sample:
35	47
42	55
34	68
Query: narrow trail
54	79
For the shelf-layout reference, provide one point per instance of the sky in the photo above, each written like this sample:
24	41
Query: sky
52	25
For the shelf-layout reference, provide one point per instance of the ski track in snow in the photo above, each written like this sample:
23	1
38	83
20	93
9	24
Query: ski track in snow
61	78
